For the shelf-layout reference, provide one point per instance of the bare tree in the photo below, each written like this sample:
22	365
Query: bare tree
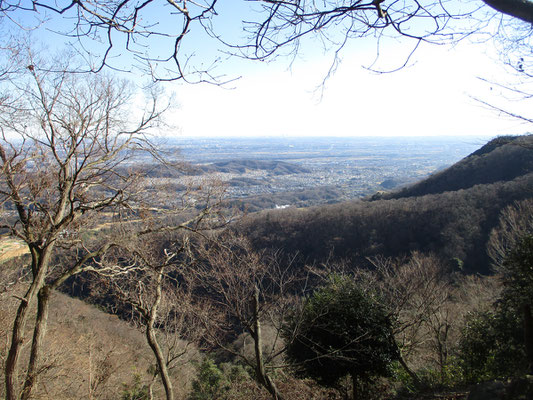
516	221
146	291
121	34
514	91
243	290
63	139
412	289
416	292
130	28
428	305
155	287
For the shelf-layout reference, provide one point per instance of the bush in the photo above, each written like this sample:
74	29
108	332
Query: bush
491	345
342	330
217	382
136	391
210	382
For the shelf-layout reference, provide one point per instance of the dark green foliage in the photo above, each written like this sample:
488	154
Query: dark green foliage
136	391
491	346
210	382
518	274
342	330
518	290
214	382
430	378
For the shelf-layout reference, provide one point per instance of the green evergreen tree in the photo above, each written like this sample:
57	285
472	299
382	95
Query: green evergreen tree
518	290
499	343
210	382
343	330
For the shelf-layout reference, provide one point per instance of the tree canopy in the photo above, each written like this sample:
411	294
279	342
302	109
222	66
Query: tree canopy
518	274
342	330
499	343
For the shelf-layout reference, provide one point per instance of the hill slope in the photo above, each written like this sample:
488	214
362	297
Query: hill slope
88	353
453	218
241	166
502	159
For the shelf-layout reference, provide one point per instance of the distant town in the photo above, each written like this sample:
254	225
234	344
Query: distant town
355	167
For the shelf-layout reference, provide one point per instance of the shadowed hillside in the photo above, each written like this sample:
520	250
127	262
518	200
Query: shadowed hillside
240	166
454	224
502	159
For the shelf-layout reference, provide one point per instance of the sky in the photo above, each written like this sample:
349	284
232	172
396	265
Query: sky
434	95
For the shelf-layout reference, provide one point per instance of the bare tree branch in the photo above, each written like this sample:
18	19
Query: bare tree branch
63	140
156	35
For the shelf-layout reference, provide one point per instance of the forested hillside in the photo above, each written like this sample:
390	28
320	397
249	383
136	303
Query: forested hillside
502	159
176	292
229	309
452	217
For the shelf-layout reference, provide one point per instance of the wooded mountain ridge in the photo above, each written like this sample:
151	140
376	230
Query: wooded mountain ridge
452	224
501	159
451	214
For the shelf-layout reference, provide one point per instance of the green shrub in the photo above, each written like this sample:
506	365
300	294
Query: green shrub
210	383
452	373
491	346
135	391
400	375
217	381
343	330
430	378
235	372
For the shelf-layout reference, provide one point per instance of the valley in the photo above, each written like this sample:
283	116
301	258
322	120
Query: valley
317	213
269	172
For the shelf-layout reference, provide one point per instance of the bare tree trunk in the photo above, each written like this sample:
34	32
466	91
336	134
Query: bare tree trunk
262	376
354	387
410	372
39	268
161	364
17	337
154	344
38	337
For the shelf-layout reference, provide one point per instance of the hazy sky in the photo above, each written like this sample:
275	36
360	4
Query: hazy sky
434	95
